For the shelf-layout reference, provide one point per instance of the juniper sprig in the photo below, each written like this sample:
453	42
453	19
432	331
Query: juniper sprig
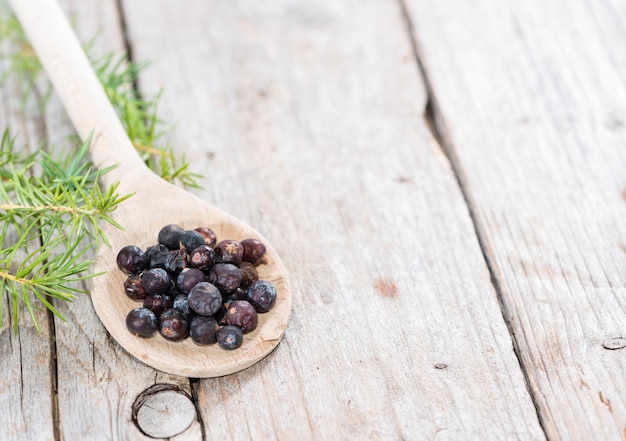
52	206
45	220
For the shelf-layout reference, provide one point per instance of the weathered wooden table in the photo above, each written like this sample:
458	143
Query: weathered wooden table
445	181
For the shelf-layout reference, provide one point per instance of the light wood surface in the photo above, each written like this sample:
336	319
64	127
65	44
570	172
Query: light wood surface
25	355
453	282
548	190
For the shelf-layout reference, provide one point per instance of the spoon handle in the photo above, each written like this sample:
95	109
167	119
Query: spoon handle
79	89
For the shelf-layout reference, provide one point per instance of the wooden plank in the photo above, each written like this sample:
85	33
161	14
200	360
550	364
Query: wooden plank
25	387
26	395
306	119
530	97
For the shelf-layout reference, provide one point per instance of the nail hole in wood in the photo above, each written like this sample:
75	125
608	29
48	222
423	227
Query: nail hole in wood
163	411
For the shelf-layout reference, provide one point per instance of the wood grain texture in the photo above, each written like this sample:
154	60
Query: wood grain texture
165	413
530	97
306	119
26	396
25	388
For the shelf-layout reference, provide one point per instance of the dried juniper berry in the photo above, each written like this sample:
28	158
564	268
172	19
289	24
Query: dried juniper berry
253	251
191	240
134	288
249	274
229	251
205	299
170	236
262	295
209	236
241	313
203	330
157	303
202	257
181	304
173	326
142	322
176	261
229	337
157	254
188	278
156	281
131	259
226	277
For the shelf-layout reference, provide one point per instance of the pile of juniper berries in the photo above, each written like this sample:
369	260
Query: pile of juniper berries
192	285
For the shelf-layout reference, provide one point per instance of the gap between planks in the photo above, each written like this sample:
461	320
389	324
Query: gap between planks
436	124
42	129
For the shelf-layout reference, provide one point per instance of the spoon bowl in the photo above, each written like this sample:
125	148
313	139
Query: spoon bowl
154	204
183	357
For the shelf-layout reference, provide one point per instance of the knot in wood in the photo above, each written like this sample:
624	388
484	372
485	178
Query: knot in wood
163	411
614	343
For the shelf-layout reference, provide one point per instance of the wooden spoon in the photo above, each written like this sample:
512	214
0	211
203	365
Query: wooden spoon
155	203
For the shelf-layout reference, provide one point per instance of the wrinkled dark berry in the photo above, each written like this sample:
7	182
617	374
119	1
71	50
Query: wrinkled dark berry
156	281
181	304
173	325
176	261
203	330
134	288
229	337
170	236
229	251
191	240
157	255
205	299
249	274
226	277
202	257
188	278
157	303
191	285
209	236
253	251
131	259
241	313
262	295
142	322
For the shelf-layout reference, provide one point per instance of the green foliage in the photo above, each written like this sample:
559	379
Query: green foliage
45	220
